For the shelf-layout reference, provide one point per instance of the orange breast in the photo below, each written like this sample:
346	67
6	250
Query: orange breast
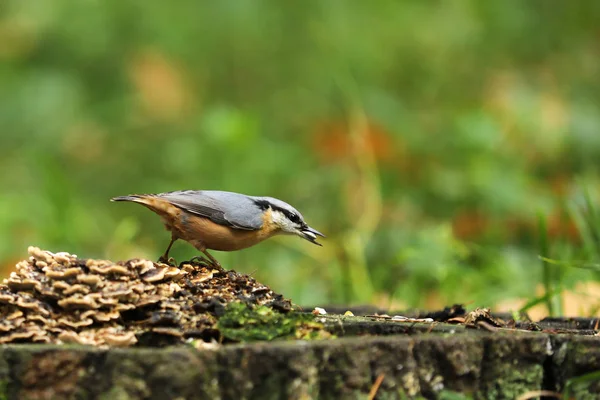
202	232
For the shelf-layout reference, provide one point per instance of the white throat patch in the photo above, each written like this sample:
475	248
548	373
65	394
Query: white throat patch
283	222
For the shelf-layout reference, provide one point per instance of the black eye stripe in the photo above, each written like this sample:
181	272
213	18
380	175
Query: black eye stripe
264	205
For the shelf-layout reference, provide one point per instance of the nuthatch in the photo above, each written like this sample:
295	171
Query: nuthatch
223	221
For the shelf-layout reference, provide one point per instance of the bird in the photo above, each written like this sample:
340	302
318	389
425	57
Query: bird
222	221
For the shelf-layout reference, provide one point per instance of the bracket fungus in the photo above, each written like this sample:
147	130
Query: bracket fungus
60	298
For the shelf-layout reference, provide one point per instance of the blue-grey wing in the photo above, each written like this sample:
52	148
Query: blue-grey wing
224	208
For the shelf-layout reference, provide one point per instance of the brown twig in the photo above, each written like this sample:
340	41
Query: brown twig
375	386
487	326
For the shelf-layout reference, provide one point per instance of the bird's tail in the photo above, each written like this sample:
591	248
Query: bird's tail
155	203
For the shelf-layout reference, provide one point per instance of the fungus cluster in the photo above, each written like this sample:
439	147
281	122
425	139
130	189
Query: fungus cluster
59	298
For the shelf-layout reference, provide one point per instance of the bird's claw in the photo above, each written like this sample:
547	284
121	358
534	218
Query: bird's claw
205	261
169	261
200	260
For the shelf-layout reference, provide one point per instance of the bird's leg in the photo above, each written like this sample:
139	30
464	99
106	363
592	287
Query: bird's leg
165	257
212	259
200	260
199	245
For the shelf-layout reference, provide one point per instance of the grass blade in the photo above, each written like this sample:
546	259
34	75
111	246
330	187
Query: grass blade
544	250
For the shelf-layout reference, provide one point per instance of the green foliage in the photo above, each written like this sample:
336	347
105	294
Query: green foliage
579	386
585	214
550	274
244	323
421	137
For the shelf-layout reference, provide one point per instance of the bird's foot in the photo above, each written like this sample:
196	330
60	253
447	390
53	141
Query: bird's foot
169	261
201	261
206	262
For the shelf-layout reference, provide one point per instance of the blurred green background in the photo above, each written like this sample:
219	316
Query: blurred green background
442	146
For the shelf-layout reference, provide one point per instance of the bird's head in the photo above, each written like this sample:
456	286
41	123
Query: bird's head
288	219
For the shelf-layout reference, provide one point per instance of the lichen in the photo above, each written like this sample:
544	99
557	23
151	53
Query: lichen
514	380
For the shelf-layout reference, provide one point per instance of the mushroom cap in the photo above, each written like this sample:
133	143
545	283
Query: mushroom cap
60	298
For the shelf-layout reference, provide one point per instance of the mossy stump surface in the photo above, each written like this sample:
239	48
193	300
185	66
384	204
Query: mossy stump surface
85	329
479	365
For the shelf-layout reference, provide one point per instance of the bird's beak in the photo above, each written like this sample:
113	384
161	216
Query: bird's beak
310	234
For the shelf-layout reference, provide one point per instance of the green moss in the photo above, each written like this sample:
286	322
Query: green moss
3	390
115	393
513	380
245	323
451	395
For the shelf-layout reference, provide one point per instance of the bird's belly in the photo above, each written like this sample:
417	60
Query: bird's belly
203	233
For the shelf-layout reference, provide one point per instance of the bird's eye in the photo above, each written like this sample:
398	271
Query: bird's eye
294	218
